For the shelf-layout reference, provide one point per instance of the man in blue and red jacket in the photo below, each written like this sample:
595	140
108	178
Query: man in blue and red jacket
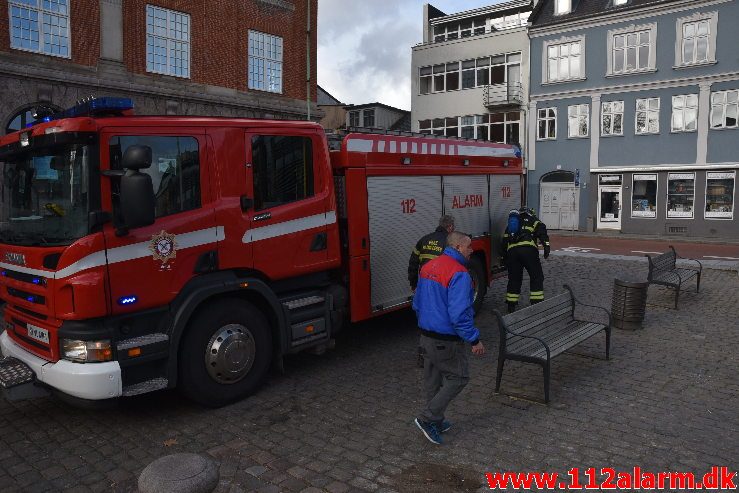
443	304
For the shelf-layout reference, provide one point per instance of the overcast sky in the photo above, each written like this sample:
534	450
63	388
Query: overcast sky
364	46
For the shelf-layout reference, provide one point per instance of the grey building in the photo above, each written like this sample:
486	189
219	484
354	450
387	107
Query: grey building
470	74
635	105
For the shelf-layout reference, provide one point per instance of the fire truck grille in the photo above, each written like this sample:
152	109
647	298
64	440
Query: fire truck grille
30	297
20	276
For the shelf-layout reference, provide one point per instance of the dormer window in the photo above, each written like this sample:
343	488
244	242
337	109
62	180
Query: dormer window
562	7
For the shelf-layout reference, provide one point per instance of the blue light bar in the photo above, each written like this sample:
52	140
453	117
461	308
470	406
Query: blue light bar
96	106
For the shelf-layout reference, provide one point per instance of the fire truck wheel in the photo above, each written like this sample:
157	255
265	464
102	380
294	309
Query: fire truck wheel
477	271
225	353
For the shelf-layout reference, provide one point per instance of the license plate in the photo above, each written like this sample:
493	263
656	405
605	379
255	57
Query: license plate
38	333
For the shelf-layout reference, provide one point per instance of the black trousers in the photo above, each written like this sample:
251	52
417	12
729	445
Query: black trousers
518	259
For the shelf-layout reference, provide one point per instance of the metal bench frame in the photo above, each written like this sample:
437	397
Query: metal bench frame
543	331
663	270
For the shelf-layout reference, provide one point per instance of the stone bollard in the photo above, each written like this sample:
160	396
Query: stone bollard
181	473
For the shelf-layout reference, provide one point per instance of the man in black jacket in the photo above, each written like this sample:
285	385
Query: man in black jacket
428	248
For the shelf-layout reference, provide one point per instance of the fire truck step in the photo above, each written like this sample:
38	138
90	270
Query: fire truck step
144	387
14	372
301	302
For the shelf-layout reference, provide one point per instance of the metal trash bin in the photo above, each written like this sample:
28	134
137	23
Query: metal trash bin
629	303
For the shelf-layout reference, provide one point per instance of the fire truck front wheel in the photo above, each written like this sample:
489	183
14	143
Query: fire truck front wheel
225	353
477	271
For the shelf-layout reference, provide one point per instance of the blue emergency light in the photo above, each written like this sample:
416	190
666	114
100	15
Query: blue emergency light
90	107
128	300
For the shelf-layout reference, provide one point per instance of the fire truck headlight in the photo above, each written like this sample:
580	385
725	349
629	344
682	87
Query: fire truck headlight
86	351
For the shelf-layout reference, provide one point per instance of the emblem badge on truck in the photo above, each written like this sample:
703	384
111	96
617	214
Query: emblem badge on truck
163	248
15	258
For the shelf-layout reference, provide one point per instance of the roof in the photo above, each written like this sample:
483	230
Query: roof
352	107
514	5
326	99
543	14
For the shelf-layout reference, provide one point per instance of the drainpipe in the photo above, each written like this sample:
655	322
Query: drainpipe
307	59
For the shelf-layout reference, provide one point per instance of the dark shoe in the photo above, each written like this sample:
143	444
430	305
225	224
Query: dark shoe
429	430
533	302
444	426
511	307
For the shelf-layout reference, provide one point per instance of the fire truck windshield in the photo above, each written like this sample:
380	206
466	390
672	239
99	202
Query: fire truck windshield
44	195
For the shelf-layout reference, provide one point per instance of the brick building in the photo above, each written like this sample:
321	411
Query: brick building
194	57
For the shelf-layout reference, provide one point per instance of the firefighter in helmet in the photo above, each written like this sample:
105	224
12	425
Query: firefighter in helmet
520	252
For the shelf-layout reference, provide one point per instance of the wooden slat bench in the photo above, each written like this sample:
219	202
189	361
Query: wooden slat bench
663	270
543	331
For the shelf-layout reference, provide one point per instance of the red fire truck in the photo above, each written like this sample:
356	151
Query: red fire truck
140	252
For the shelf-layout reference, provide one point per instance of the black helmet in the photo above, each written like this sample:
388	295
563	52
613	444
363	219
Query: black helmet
528	210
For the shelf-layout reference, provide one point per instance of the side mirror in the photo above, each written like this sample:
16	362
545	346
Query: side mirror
137	198
137	157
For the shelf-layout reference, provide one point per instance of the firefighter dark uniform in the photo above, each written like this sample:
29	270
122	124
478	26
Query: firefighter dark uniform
429	247
521	253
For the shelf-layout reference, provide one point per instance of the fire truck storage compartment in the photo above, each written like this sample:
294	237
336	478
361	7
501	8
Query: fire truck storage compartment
466	198
401	210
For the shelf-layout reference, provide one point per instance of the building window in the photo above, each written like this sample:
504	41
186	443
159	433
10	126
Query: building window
564	61
578	120
647	116
720	194
632	50
167	42
680	195
504	127
696	39
283	169
40	25
546	124
562	7
684	113
439	126
612	118
368	118
725	109
425	78
644	198
265	62
174	170
354	118
439	78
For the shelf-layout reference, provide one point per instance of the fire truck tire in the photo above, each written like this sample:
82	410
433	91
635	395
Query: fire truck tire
477	271
225	353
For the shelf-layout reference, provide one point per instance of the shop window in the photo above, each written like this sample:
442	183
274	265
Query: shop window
680	195
644	198
720	194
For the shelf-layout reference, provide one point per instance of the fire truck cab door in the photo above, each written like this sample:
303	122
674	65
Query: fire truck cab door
290	215
148	266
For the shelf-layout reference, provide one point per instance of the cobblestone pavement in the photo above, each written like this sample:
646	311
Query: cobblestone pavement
667	400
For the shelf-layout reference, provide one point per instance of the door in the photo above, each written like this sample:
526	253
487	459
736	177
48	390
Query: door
148	266
609	207
560	205
289	217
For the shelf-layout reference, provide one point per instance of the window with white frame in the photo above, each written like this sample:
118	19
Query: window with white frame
368	118
696	39
644	196
505	127
684	113
612	118
725	109
354	118
632	50
680	195
40	25
720	194
167	42
546	124
265	62
564	61
562	7
440	126
425	80
578	120
647	116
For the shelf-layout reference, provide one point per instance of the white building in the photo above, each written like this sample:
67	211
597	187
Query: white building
470	75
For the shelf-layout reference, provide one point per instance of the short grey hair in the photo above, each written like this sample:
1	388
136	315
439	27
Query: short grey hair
446	221
456	239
